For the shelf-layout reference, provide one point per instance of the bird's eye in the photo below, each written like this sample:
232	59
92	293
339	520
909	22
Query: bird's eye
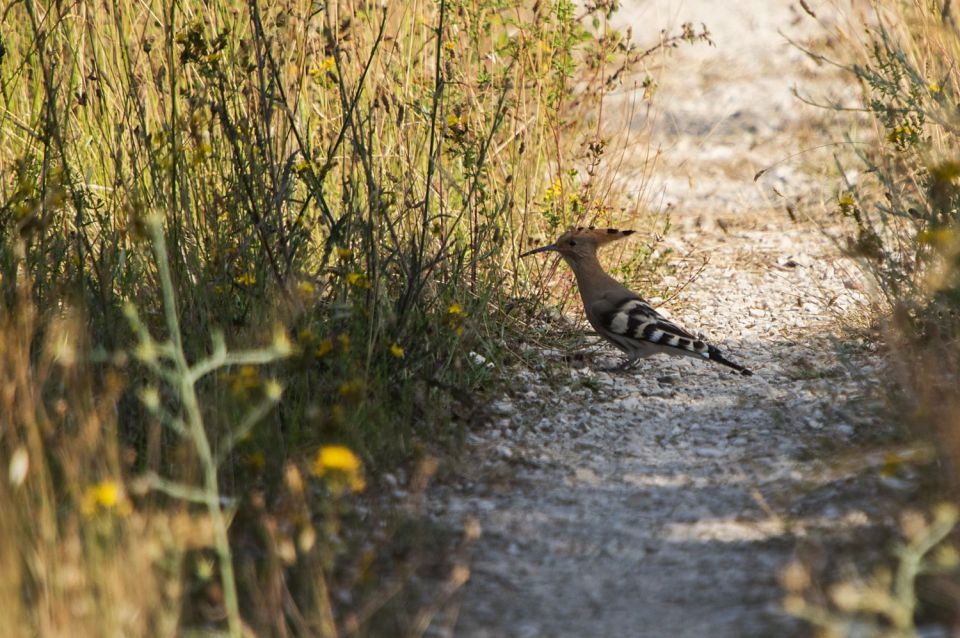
572	243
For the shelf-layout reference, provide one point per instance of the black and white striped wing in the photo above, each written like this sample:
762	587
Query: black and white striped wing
633	323
637	329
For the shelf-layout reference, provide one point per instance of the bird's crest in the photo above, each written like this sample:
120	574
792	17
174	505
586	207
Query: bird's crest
599	236
567	244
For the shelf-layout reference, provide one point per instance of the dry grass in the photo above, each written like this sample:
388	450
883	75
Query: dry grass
349	181
904	220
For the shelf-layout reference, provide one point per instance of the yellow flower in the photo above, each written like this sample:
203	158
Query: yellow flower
553	191
105	495
455	317
452	120
344	253
449	45
358	279
335	457
351	388
305	288
324	348
247	279
340	466
396	350
933	87
329	64
900	134
937	237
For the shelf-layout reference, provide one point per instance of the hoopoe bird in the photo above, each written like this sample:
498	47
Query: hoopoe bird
618	315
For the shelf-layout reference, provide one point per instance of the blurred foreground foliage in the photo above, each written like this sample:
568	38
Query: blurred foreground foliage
343	185
903	216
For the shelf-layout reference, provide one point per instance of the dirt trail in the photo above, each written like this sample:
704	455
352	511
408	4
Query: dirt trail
662	502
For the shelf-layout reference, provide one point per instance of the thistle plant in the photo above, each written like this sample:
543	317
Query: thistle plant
168	362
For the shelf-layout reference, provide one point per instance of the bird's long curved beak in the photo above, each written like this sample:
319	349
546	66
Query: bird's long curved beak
542	249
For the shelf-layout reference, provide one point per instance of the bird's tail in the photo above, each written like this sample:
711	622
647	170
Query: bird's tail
714	354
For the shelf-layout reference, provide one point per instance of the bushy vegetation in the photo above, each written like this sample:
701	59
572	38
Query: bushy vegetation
341	186
903	216
905	211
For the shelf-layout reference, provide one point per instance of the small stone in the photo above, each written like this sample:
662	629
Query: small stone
485	505
711	452
503	406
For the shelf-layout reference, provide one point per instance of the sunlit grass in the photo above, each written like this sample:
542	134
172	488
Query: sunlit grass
348	183
903	216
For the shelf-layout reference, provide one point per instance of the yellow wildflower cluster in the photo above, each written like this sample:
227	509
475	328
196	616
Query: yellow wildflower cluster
247	279
901	134
397	350
325	70
554	191
340	467
456	317
105	496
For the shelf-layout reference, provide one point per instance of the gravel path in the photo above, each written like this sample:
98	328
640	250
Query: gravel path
662	502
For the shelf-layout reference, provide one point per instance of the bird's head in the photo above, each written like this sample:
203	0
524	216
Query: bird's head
581	243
